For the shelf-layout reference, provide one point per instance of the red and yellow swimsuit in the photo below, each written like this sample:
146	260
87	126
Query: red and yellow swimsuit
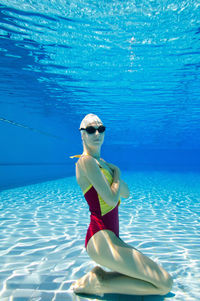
103	216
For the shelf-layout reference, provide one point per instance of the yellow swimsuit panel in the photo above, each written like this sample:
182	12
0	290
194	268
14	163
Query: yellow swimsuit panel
105	208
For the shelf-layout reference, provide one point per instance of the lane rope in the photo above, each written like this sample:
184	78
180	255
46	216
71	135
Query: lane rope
29	128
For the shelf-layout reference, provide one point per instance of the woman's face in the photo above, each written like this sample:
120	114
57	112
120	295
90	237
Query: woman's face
95	139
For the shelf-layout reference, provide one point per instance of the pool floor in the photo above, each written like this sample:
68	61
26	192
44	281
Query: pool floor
43	227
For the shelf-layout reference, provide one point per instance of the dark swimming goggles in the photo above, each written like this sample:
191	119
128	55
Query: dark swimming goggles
92	129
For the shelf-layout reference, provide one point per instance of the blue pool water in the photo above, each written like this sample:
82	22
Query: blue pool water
43	228
136	65
133	63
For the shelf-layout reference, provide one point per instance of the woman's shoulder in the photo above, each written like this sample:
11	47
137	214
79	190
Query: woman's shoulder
88	166
81	175
86	161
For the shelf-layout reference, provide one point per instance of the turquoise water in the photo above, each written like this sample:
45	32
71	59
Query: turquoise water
43	228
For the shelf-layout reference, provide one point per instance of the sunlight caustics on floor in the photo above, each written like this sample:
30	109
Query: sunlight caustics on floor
43	227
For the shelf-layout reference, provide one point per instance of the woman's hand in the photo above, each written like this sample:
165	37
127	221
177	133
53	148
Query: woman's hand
124	191
114	168
91	170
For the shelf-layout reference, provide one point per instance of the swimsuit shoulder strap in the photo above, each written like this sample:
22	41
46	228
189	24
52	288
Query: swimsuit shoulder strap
75	156
98	163
78	156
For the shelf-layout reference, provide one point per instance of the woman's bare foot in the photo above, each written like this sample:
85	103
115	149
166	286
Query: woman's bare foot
91	283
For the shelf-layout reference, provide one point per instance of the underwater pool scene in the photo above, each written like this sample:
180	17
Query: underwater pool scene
43	228
136	64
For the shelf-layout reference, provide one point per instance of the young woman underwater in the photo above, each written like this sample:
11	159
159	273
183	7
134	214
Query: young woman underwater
131	271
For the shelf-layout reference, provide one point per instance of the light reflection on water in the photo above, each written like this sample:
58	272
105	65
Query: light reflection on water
68	58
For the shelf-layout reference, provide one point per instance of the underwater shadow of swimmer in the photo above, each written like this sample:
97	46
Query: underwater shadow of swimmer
121	297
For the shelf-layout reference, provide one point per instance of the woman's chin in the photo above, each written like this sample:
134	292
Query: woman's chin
97	142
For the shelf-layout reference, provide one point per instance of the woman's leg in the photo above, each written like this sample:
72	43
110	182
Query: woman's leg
135	271
114	282
99	282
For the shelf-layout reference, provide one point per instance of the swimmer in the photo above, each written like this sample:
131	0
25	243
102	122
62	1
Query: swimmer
131	272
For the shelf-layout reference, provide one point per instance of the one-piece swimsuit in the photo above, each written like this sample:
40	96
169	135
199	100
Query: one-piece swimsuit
103	216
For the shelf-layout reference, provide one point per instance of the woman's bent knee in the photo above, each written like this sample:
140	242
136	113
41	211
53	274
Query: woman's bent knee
167	286
106	250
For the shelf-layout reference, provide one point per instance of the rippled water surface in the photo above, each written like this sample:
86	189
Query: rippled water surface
43	227
133	62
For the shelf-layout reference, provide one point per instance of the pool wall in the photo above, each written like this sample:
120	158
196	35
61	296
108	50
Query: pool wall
29	157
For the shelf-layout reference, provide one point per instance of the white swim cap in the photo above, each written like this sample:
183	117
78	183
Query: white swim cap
89	118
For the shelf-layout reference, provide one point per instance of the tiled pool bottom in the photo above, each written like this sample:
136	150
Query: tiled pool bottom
43	227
